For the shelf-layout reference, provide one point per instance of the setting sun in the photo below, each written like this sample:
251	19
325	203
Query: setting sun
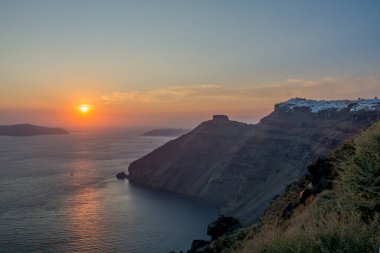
84	108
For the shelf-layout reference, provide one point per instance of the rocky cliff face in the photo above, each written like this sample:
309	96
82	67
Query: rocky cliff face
239	168
183	165
169	132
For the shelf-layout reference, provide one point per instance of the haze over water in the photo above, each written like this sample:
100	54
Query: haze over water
59	194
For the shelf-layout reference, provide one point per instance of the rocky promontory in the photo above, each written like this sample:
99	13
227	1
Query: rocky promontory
239	168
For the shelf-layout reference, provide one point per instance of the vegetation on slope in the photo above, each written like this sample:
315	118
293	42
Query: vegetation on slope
342	219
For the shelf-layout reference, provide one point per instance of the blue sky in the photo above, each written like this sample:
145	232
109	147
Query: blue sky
86	49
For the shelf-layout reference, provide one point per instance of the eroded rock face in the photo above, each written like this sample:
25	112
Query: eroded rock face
239	168
200	246
186	164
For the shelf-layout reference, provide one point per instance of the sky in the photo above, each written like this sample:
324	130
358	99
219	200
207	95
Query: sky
176	63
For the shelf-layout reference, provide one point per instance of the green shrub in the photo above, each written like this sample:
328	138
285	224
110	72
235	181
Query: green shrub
359	174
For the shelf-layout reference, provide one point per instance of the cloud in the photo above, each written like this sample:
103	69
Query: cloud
347	87
167	94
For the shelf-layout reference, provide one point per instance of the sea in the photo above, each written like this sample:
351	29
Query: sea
58	193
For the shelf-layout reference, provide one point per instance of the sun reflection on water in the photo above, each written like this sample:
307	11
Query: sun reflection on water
86	220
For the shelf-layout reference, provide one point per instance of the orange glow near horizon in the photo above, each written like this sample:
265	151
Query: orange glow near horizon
81	116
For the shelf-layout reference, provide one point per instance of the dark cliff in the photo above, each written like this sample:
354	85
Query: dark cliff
169	132
182	165
239	168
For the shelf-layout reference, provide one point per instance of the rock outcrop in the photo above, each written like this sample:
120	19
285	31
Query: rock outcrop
29	130
240	168
199	246
121	175
222	226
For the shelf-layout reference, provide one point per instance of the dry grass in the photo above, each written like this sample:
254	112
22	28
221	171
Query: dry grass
313	232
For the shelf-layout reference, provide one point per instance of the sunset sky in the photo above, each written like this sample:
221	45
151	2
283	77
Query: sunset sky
176	63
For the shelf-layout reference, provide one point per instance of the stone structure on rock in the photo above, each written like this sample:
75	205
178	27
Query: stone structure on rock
220	117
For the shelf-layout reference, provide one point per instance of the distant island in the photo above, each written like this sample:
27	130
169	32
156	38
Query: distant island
29	130
169	132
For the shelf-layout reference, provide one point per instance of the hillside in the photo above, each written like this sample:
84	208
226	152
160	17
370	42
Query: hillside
169	132
29	130
240	168
340	213
181	164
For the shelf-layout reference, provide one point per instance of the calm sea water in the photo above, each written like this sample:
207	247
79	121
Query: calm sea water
59	194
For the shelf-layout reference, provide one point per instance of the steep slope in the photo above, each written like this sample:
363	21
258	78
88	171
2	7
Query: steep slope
170	132
182	165
331	209
343	218
240	168
284	143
